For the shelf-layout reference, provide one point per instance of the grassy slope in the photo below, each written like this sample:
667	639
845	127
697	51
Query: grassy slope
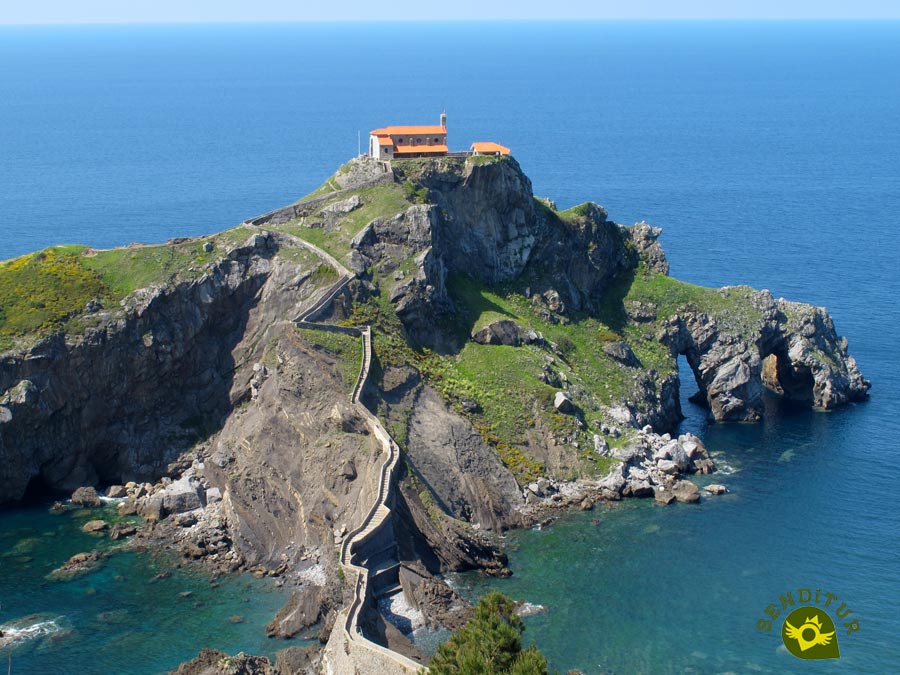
42	291
382	200
503	381
345	348
48	290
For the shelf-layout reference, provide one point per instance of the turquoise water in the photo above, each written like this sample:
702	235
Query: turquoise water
768	152
639	588
117	618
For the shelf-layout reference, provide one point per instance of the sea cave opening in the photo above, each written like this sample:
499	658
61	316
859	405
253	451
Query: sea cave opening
691	397
38	491
791	383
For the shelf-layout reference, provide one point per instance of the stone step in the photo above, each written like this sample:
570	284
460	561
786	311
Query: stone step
384	567
377	558
389	590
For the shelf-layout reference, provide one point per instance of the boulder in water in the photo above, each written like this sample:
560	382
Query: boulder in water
86	496
686	492
95	526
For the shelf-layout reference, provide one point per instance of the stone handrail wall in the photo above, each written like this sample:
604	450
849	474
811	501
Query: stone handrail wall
291	211
307	316
358	655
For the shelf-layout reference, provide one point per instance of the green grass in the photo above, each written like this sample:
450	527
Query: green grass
124	270
345	348
379	201
503	381
575	212
299	255
40	290
580	340
479	160
324	274
417	194
732	307
328	187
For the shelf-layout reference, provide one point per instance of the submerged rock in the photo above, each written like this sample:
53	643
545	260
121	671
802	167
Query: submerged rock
76	566
95	526
663	496
122	530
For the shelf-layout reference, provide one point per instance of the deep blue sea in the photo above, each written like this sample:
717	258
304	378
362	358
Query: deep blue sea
768	152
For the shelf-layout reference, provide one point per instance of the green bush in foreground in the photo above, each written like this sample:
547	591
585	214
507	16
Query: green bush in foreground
489	644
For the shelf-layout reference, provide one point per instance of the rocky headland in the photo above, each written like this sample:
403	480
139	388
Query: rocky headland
524	359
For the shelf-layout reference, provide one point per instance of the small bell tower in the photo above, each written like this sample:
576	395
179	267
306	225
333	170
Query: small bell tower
444	119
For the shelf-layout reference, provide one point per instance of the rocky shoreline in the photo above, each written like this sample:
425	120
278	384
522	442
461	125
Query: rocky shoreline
232	439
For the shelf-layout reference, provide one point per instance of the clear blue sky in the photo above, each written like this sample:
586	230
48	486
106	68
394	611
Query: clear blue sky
146	11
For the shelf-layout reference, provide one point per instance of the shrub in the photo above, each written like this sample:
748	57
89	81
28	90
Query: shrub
415	194
41	290
489	644
565	344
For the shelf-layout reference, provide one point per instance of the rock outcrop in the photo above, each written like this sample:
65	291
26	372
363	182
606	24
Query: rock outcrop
482	220
231	433
809	361
123	399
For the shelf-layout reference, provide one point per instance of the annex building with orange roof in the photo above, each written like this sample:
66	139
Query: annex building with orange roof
489	148
403	142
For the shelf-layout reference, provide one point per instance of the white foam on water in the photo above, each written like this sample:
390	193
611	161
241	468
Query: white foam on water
726	469
396	608
16	633
529	609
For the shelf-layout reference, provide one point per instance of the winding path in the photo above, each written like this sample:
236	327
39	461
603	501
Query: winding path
357	655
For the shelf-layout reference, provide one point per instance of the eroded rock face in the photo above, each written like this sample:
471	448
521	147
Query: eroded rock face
481	220
487	221
281	460
646	239
420	294
812	361
451	457
214	662
117	402
305	607
439	603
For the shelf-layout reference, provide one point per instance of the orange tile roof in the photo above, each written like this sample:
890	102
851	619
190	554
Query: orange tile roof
382	140
490	146
409	131
421	148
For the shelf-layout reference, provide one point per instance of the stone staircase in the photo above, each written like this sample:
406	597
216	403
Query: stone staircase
383	578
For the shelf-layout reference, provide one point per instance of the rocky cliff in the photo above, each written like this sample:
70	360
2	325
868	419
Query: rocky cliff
524	357
123	398
207	370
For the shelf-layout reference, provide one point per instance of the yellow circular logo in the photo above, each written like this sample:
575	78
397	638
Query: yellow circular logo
808	633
